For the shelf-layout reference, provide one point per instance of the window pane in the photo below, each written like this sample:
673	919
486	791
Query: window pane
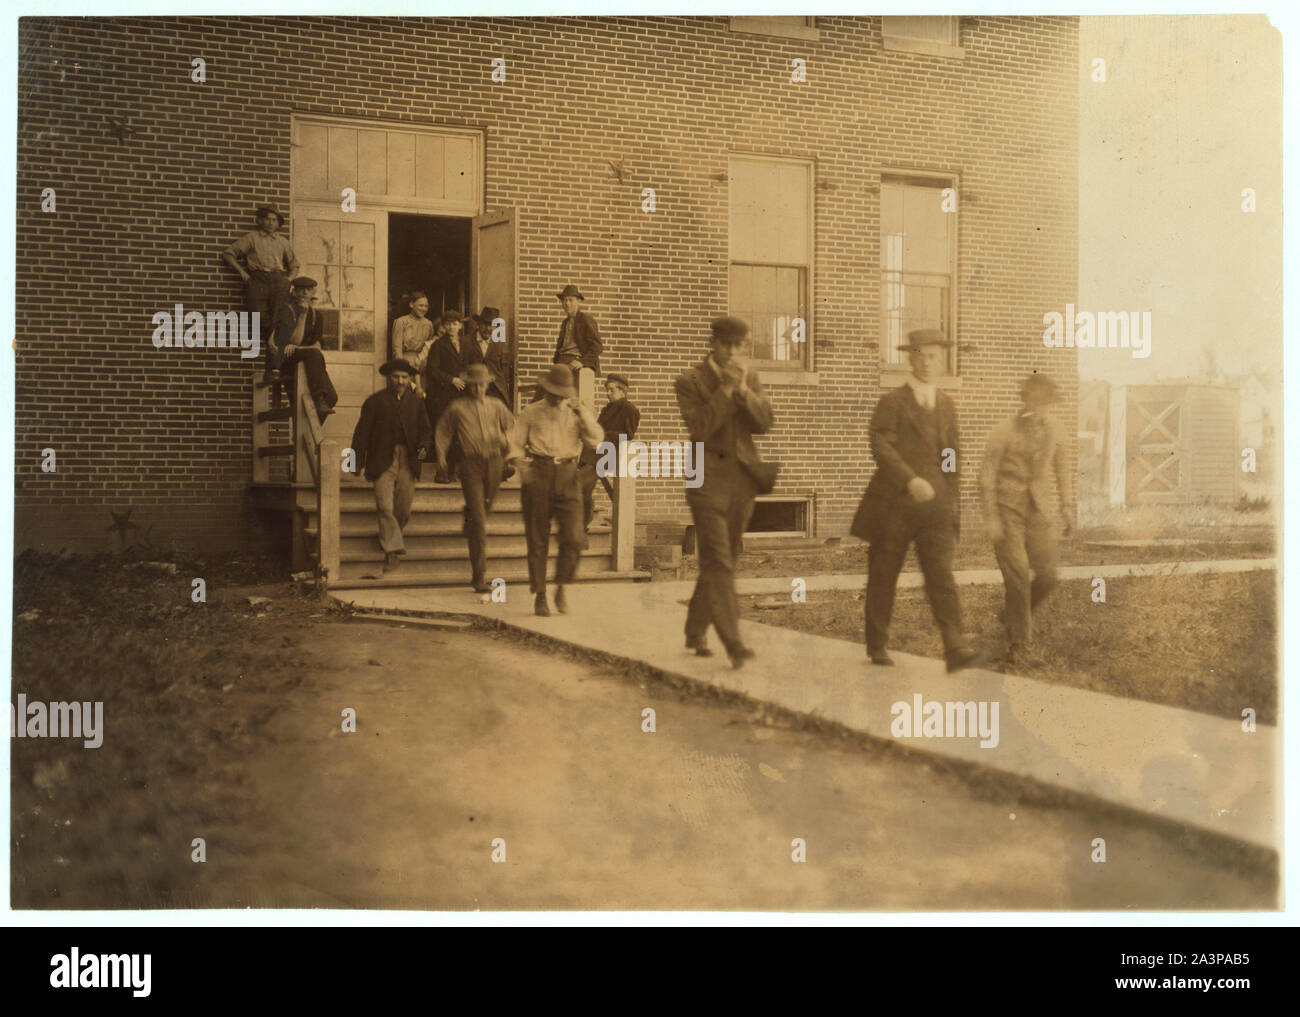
915	253
358	328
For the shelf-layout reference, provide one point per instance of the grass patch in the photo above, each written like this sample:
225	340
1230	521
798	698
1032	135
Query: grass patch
1204	642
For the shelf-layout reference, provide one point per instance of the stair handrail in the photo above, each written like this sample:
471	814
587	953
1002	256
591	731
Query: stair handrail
322	458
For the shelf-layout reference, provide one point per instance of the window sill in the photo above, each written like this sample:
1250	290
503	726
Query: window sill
890	378
787	377
922	46
758	25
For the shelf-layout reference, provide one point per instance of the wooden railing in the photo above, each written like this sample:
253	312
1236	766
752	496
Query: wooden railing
313	458
623	524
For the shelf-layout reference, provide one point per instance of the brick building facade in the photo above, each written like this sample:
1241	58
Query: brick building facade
762	185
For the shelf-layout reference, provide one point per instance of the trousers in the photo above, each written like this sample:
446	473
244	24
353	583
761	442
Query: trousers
318	379
479	480
266	292
394	493
721	514
932	530
1028	544
552	493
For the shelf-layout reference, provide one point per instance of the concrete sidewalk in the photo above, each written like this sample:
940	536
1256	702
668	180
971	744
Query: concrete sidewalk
1176	764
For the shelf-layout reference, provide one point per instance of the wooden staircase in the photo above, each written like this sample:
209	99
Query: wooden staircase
336	529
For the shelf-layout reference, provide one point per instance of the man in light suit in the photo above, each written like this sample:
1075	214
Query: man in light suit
914	496
1021	454
723	406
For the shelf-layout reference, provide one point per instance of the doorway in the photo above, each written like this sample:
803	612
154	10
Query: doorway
429	253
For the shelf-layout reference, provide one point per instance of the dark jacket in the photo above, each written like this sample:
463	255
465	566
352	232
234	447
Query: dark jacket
725	424
908	441
387	421
587	335
616	418
497	359
444	364
282	334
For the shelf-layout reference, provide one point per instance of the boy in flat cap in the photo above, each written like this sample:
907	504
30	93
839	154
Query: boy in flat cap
914	497
723	406
619	417
481	428
296	339
551	433
1021	455
266	263
390	440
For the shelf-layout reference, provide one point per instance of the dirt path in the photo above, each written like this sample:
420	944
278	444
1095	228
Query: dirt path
466	737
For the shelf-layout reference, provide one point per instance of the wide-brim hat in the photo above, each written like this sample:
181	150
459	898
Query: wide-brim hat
478	372
922	337
557	381
397	364
570	291
489	315
263	209
1039	381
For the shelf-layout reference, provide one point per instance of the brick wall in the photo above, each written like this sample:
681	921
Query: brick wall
141	220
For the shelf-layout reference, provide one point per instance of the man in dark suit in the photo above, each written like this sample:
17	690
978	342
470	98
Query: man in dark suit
579	344
391	437
723	406
296	339
494	354
914	496
444	369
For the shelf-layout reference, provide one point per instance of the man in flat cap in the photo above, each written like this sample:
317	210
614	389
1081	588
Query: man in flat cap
481	428
545	443
296	339
579	344
619	417
390	440
723	406
1020	457
914	497
266	263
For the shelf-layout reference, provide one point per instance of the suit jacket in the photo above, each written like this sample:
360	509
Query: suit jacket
385	422
587	335
726	425
908	441
1051	457
282	334
497	359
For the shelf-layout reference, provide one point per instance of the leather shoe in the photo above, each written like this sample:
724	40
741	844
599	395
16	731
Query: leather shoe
961	659
539	605
739	654
699	646
481	587
880	658
561	604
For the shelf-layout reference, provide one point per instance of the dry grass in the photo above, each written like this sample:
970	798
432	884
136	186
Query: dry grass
1205	642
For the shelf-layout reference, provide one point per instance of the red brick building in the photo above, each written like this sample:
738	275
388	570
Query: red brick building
799	169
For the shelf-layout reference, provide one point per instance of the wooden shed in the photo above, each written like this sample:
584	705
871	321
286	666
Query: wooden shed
1173	443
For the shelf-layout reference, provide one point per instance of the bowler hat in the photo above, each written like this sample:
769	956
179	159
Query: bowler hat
489	315
617	379
478	372
557	381
922	337
304	282
263	209
397	364
729	330
570	291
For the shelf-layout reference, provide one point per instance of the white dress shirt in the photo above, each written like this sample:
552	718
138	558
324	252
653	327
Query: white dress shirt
924	391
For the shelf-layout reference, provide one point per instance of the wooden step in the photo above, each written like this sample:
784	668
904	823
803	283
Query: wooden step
501	550
440	524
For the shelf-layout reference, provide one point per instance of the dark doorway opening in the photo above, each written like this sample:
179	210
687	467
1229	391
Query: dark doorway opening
429	253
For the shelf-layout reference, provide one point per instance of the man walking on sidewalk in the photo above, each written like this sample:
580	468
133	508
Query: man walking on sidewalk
914	496
391	437
723	406
552	432
482	427
1021	454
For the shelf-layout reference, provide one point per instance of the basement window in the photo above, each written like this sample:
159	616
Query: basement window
780	517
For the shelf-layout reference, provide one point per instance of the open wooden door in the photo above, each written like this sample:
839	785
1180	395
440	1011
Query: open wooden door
347	254
494	271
